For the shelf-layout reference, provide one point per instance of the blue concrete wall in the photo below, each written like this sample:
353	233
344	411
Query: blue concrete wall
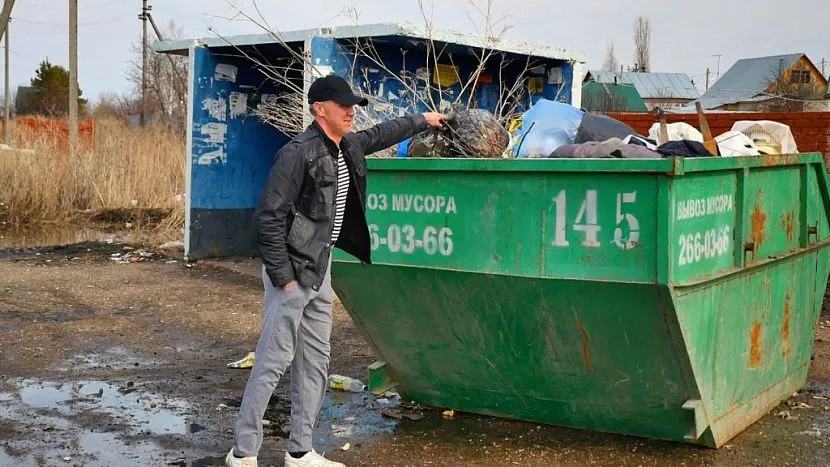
232	152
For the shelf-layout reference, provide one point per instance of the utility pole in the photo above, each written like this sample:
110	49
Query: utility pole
707	78
161	38
4	16
143	17
718	73
7	137
73	77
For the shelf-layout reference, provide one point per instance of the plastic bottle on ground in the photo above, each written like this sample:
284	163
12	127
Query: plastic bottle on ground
344	383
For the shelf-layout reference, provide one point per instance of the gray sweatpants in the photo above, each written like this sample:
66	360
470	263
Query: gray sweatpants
297	326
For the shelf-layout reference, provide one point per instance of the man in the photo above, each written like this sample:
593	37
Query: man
314	200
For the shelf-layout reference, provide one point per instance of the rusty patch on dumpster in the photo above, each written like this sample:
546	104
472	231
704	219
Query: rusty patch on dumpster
586	347
755	345
759	226
785	327
787	222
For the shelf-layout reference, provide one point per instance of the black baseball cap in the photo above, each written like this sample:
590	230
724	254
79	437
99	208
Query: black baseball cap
334	88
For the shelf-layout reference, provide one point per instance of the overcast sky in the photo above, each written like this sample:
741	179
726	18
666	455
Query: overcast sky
685	35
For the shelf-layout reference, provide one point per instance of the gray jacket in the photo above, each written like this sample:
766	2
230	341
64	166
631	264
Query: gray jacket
294	218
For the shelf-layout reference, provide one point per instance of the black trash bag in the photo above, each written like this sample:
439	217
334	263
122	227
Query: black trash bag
598	127
430	143
472	133
613	148
477	133
683	148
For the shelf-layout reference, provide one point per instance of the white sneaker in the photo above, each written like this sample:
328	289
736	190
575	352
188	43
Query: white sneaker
311	459
232	461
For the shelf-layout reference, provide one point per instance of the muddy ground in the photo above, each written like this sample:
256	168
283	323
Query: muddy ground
107	361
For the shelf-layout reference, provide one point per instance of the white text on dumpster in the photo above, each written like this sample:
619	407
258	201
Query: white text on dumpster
408	239
692	208
587	225
708	243
695	247
427	204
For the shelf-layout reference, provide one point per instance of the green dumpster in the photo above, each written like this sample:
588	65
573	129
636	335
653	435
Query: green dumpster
672	299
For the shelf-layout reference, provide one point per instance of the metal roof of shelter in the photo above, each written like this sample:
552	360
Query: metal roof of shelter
403	30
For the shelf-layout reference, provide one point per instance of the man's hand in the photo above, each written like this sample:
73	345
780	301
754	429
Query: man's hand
289	286
435	119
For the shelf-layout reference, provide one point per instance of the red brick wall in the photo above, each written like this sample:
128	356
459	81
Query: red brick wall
811	130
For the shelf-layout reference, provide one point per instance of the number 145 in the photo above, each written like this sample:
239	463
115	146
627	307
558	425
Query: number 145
587	221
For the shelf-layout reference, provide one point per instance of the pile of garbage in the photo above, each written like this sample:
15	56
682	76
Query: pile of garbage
554	130
132	256
468	133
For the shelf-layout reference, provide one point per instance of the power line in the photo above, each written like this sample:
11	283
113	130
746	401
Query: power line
117	19
63	8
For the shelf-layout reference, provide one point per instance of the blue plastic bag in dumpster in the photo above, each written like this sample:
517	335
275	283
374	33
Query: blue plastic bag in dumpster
403	148
546	126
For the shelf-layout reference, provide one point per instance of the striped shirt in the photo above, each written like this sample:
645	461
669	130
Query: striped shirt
340	198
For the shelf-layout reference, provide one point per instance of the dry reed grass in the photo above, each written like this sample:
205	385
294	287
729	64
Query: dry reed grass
126	169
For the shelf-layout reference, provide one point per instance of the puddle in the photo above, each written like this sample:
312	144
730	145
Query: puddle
92	449
114	358
139	411
89	422
344	416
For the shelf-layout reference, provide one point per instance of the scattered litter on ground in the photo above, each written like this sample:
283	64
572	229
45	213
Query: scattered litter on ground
346	447
342	431
448	413
136	256
221	407
401	412
266	422
785	414
813	433
344	383
245	362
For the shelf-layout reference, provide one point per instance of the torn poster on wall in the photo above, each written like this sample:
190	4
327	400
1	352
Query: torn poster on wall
225	72
239	104
217	108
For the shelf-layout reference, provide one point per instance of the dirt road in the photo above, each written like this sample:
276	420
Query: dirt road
109	363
